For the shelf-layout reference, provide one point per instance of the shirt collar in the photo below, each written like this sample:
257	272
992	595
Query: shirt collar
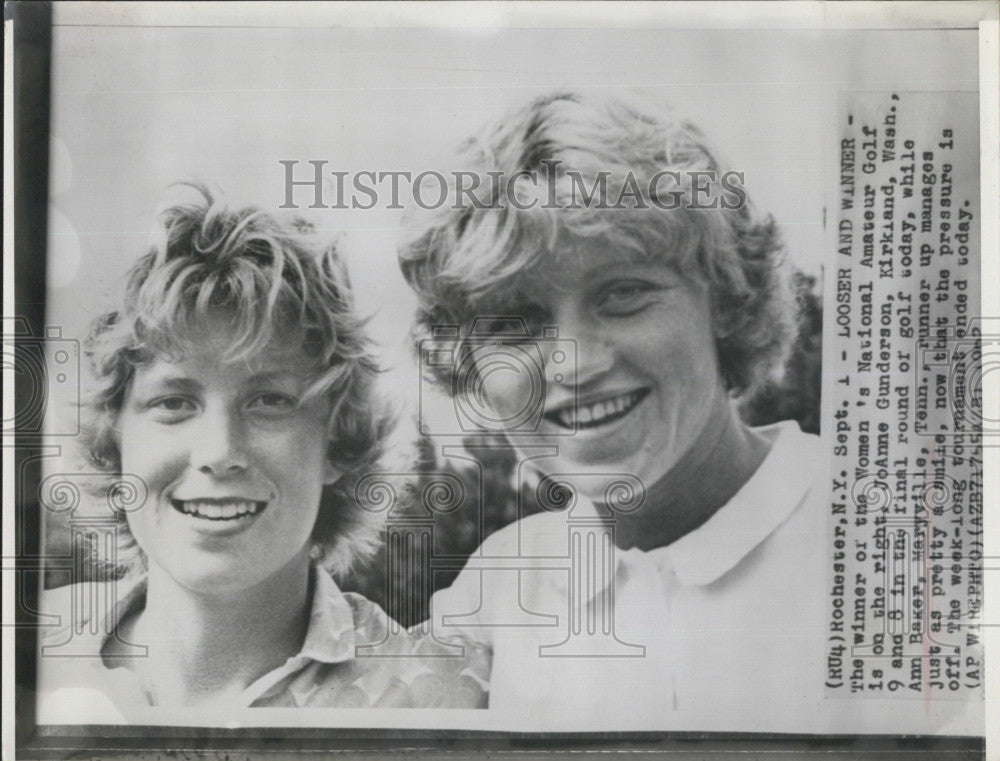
329	636
764	502
128	594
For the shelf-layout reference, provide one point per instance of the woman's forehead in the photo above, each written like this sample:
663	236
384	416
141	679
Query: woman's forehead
217	339
578	264
198	361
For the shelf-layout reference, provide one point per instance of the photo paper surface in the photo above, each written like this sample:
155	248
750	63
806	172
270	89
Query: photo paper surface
555	377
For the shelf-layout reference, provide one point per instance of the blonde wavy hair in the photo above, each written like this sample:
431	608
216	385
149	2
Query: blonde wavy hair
266	273
458	258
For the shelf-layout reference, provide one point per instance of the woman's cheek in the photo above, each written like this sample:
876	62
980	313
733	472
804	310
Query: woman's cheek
502	391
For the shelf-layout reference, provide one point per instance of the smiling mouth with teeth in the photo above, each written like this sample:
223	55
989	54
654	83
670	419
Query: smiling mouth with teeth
597	413
218	509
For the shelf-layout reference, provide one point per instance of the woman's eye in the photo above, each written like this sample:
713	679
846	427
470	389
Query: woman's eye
170	408
626	298
273	403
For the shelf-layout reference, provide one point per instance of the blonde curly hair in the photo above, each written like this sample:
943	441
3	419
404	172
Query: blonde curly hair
264	273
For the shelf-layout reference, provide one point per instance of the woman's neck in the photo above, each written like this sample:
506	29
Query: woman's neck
203	647
721	460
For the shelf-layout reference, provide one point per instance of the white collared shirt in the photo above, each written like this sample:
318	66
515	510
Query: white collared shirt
722	630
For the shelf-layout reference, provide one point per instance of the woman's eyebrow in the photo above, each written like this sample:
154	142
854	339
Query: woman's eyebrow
273	376
178	382
505	304
641	265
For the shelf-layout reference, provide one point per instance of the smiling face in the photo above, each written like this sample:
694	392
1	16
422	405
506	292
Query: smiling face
234	460
647	377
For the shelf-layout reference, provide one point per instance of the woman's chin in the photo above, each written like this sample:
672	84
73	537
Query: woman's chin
624	452
208	576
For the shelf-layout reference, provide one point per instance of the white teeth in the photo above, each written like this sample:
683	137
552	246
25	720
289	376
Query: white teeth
217	511
596	412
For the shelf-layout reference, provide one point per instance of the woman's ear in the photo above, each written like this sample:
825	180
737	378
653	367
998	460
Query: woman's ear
725	321
331	473
721	327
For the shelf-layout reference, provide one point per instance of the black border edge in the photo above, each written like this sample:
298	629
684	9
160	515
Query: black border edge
284	743
32	56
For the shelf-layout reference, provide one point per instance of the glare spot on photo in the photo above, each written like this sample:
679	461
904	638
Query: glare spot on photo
64	250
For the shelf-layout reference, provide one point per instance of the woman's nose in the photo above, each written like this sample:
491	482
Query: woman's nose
588	357
582	347
220	447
